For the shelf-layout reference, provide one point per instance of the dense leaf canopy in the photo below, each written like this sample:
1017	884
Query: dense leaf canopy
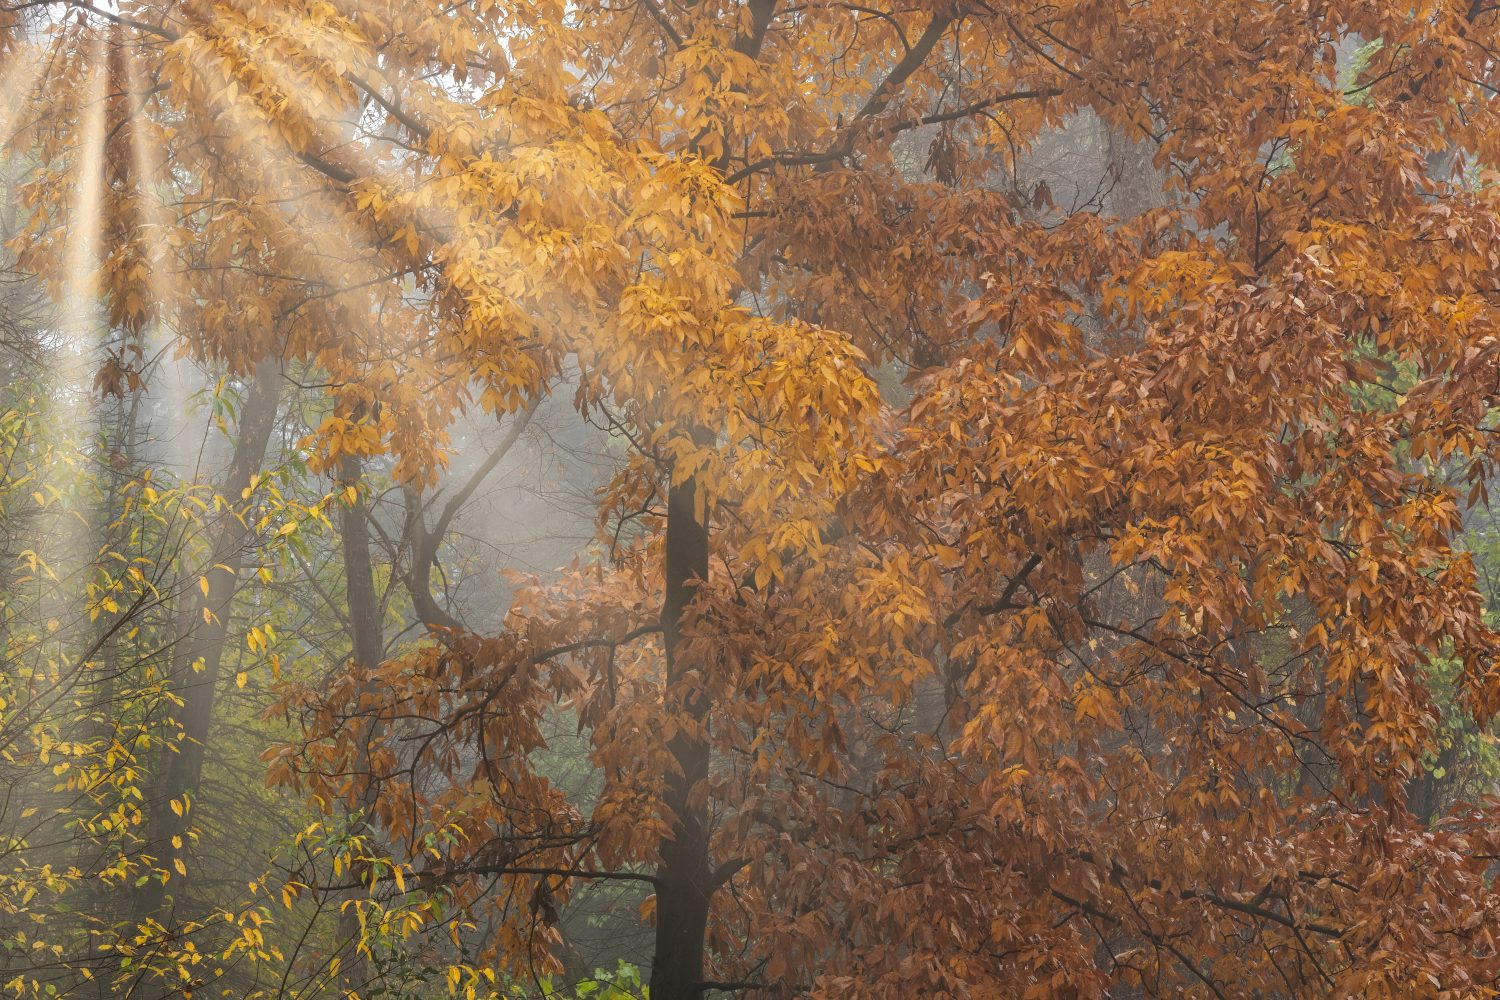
1013	585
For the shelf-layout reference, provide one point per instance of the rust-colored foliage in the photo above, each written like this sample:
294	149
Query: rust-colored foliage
1097	660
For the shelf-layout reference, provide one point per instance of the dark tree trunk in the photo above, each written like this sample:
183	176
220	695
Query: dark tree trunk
684	877
366	631
685	880
1426	793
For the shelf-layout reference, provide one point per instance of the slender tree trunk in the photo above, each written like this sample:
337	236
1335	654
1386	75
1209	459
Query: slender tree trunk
684	878
203	626
1426	792
367	632
367	641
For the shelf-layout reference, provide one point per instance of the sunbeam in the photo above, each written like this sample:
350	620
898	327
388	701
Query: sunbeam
70	430
172	373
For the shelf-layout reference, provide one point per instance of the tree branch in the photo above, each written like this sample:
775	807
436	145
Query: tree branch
660	17
908	65
425	543
439	875
1006	599
797	158
512	435
394	110
573	647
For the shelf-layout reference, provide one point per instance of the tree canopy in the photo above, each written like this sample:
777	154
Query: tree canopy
1037	555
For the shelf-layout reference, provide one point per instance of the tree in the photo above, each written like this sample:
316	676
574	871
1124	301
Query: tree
1179	580
203	626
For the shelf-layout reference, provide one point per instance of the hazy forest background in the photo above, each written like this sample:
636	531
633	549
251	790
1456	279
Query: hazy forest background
684	498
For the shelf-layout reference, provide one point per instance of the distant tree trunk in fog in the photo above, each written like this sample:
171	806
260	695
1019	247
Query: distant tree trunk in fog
202	629
367	643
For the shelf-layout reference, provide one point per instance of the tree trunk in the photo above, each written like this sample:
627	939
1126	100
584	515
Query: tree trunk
1427	791
684	878
203	625
367	633
367	642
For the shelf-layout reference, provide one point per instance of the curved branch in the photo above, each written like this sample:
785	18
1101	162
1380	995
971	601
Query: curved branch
425	543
